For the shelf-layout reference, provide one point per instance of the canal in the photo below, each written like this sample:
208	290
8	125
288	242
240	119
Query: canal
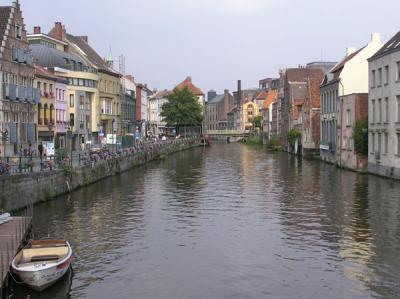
230	221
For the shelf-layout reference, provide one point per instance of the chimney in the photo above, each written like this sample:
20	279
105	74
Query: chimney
350	51
37	30
58	31
239	93
375	37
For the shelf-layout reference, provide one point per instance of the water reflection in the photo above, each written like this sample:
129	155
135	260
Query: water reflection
231	221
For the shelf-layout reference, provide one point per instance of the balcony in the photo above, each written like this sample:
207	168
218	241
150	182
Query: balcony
14	92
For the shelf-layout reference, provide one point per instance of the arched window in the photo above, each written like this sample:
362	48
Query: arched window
46	120
39	112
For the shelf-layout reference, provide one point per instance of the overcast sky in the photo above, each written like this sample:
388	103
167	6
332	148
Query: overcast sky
217	41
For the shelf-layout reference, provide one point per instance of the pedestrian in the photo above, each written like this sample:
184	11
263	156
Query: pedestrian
30	150
40	149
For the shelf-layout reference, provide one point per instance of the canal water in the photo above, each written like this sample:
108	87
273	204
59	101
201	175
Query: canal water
230	221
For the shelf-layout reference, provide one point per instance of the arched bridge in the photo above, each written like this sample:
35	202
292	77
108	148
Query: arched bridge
223	134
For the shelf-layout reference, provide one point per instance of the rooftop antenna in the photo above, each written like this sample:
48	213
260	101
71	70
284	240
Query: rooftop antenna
122	64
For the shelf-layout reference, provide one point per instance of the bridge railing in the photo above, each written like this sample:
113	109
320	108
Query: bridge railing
227	132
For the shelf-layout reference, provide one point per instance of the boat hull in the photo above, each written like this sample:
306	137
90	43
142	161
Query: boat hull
42	279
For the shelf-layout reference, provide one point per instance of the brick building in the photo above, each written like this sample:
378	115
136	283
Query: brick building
351	108
18	97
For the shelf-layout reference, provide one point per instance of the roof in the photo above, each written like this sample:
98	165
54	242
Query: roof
271	97
392	45
301	74
50	57
342	63
91	54
216	99
262	95
188	83
160	94
42	72
4	16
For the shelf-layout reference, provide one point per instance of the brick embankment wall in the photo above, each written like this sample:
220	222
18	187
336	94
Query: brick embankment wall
17	191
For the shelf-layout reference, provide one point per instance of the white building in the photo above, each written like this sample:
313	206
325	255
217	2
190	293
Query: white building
349	76
156	101
384	110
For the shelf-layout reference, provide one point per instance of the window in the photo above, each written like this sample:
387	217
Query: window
18	31
51	88
373	111
386	110
379	77
398	108
398	71
45	87
348	119
38	85
379	111
71	100
373	142
386	143
379	142
386	75
373	79
398	144
81	102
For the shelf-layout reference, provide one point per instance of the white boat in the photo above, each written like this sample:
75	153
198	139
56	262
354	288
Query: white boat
42	263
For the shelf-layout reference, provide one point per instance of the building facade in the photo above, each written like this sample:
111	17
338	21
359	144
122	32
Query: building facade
384	110
18	96
156	123
351	109
128	105
349	76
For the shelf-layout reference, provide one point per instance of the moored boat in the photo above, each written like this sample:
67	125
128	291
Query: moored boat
42	263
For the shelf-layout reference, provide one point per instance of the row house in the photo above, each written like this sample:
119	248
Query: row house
266	111
105	103
156	102
296	88
82	85
142	95
384	110
217	109
128	105
52	109
339	82
18	96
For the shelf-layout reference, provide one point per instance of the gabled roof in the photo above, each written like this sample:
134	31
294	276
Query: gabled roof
216	99
160	94
91	54
4	16
262	95
188	83
301	74
393	45
342	63
271	97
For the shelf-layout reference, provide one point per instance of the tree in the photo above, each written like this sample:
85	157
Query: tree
257	121
182	108
360	137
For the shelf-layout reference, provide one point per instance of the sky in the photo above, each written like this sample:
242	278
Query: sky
217	42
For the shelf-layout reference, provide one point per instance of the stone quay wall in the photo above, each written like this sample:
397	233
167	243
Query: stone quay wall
18	191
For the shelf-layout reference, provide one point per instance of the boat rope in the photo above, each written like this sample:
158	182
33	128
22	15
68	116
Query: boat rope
13	278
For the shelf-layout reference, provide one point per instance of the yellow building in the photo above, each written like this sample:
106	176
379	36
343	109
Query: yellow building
46	82
110	108
250	110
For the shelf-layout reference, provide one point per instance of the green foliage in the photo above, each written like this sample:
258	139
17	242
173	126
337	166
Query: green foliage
257	121
61	154
274	143
360	137
255	140
182	108
68	170
292	136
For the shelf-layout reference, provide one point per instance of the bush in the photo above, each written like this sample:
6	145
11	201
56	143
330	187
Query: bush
292	136
360	137
274	143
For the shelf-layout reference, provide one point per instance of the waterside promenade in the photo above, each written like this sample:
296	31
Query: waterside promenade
94	166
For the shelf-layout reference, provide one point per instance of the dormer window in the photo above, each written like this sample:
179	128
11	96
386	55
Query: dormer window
18	31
